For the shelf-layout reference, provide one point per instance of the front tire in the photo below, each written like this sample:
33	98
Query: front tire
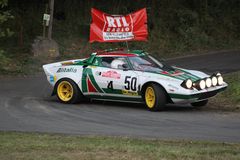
200	103
68	91
155	97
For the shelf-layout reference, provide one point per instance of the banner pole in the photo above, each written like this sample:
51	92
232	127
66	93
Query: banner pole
127	45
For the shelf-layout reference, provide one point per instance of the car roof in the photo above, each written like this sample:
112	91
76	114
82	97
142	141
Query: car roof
113	53
116	54
121	53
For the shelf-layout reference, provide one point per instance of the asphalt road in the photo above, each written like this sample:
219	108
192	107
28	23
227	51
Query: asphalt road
26	105
224	62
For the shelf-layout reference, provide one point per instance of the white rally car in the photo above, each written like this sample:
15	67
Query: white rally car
131	76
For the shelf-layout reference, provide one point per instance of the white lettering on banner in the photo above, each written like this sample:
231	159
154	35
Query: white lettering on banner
118	28
110	21
125	22
119	21
117	35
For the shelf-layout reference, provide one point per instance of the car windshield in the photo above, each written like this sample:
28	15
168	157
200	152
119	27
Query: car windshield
148	63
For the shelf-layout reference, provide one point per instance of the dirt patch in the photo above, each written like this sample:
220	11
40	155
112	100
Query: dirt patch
43	47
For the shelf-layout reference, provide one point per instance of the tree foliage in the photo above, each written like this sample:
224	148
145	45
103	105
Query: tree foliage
4	17
174	25
4	31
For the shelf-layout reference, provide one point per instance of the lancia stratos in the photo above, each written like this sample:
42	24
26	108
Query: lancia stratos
131	76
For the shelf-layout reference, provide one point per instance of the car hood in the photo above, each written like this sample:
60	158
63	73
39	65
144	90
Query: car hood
183	74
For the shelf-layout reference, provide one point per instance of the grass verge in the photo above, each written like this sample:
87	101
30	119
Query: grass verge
229	100
43	146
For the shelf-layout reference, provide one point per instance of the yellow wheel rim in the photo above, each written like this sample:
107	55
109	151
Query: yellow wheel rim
150	97
65	91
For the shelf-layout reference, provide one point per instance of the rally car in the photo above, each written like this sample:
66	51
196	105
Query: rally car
131	76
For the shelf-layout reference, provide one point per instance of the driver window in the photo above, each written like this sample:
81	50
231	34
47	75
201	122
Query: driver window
114	62
106	61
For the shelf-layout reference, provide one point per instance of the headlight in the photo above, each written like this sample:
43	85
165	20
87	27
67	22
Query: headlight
208	82
202	84
220	80
187	84
214	81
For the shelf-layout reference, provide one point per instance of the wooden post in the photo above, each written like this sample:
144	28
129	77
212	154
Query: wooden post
51	2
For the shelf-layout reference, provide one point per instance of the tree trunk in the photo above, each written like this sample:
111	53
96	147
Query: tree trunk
51	19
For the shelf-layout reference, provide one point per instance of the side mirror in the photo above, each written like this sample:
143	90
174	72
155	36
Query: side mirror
125	67
85	64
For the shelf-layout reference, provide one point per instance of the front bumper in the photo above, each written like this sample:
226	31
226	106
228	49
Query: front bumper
189	98
206	95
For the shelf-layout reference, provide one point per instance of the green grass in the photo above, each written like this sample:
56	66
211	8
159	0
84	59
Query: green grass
229	99
26	146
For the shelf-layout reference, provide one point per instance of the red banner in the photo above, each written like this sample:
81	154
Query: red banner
118	28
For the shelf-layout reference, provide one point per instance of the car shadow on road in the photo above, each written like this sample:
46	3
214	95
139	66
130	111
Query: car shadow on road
183	107
137	106
125	105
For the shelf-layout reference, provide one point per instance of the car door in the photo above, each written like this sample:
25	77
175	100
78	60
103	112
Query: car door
116	83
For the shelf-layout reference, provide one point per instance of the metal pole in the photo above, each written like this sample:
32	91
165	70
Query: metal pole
51	19
127	45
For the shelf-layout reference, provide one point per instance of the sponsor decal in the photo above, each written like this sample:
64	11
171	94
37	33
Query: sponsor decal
171	90
92	67
181	75
164	72
74	70
111	74
130	93
177	73
52	79
67	63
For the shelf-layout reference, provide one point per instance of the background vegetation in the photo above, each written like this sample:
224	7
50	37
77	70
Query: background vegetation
176	27
228	100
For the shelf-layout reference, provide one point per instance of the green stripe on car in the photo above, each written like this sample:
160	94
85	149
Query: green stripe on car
87	72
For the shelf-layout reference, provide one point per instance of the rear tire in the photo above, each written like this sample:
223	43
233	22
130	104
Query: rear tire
155	97
68	91
200	103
